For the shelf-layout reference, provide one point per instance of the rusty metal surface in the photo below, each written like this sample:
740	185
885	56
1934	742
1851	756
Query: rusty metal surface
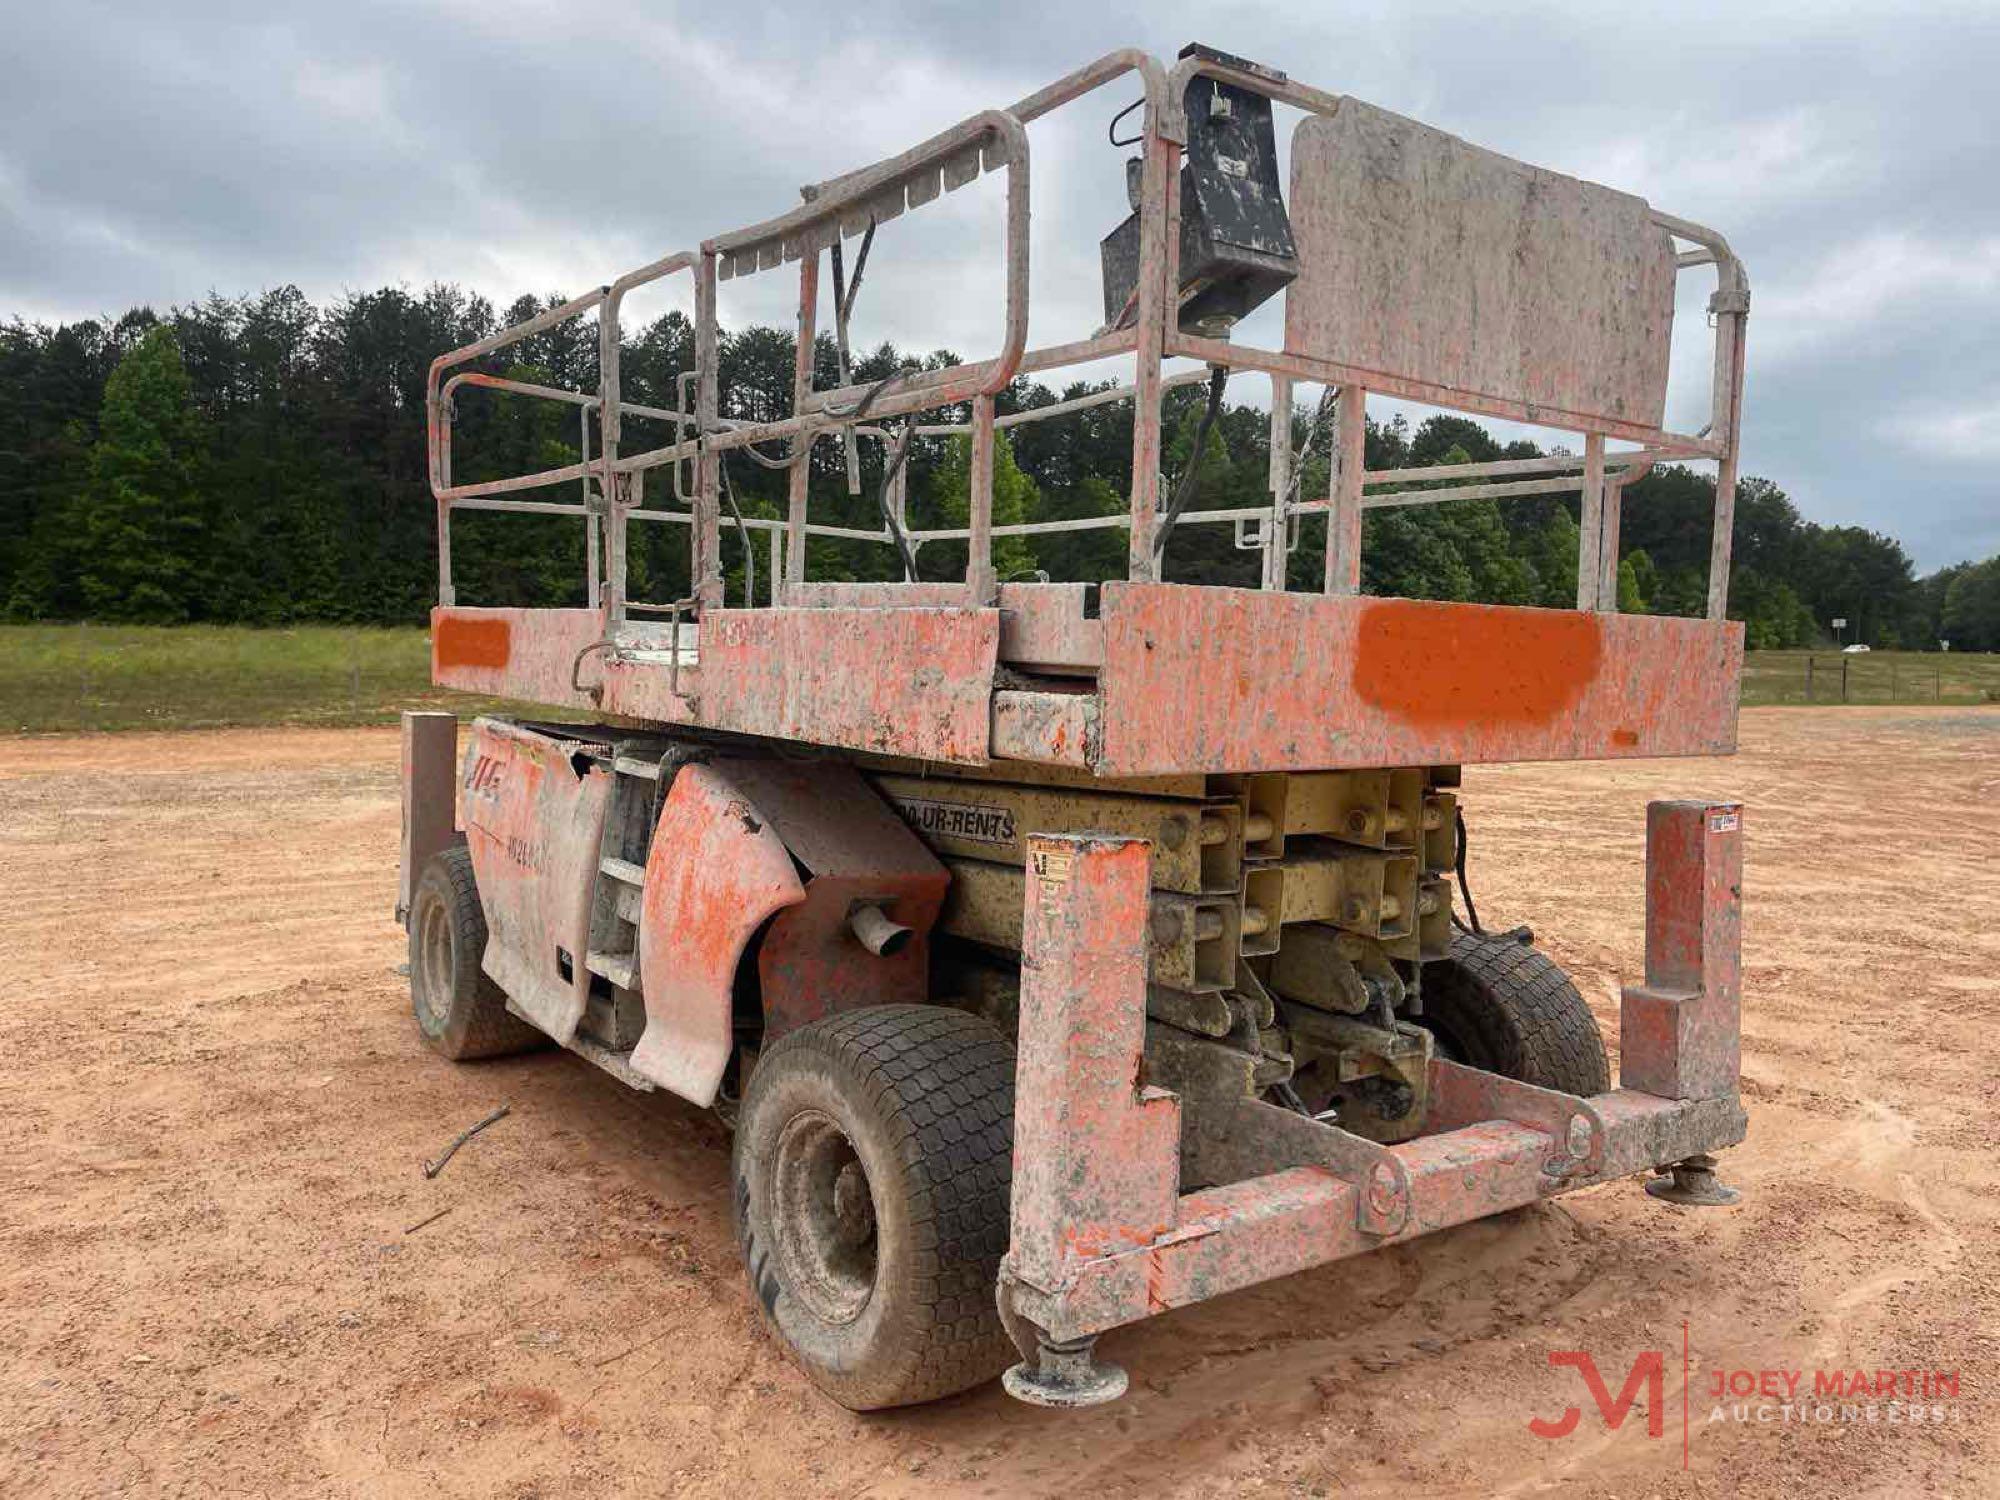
913	682
1238	680
1096	1153
1425	257
527	654
716	872
844	595
1195	679
1643	1130
1679	1031
1245	1138
1047	729
907	682
991	820
430	798
1093	1161
854	850
1460	1096
1043	629
1291	1219
533	819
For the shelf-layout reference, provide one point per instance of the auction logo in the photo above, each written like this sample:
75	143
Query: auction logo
1648	1373
1756	1396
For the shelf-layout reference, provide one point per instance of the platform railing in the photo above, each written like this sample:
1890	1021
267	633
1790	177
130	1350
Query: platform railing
996	140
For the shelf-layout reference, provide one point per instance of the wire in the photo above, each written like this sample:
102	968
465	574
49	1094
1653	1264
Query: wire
749	552
1111	130
889	473
750	450
1322	417
1471	911
1218	376
843	310
860	408
1289	1097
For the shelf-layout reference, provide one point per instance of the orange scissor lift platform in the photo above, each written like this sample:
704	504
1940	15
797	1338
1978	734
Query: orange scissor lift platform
779	734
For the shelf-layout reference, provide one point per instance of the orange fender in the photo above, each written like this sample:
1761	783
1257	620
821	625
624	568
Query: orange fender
715	873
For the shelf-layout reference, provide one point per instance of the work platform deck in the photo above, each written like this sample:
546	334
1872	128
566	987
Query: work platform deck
1166	679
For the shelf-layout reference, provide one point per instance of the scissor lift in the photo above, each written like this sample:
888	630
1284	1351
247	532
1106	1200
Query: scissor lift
1107	926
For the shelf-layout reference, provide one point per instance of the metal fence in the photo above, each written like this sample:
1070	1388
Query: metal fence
1825	677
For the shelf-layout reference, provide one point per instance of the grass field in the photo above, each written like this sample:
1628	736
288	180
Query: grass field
82	677
56	678
1871	677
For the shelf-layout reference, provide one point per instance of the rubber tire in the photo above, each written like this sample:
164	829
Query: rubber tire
468	1018
925	1097
1501	1006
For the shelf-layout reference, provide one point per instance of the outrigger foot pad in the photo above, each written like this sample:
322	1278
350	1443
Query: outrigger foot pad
1693	1183
1064	1375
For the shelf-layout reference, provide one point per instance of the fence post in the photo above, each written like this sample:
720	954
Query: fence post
1843	678
1809	667
1892	679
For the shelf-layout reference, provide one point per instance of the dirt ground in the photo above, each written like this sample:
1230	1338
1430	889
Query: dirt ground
216	1106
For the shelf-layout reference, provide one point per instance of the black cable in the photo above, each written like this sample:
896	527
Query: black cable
1471	912
1289	1098
1218	375
843	310
750	450
889	473
749	552
1322	418
1111	130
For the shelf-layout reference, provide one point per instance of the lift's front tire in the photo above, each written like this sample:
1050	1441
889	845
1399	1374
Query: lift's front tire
1497	1004
873	1160
460	1012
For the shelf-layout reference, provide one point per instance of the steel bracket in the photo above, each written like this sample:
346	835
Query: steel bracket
1461	1096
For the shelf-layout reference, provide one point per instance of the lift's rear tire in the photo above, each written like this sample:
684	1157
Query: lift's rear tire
460	1012
873	1158
1497	1004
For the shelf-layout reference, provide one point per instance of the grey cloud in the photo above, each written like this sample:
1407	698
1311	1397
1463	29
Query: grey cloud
154	153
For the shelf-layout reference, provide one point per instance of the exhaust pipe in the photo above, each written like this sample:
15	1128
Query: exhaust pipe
877	933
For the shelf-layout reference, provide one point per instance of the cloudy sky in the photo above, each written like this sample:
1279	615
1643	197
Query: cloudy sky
157	152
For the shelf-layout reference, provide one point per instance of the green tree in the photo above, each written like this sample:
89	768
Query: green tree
1630	600
142	524
1015	500
1459	549
1551	551
1972	608
275	469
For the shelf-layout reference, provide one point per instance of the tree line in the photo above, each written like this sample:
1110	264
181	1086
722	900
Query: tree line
263	460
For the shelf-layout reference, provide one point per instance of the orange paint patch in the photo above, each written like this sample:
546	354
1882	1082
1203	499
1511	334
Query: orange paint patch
457	642
1446	665
1625	739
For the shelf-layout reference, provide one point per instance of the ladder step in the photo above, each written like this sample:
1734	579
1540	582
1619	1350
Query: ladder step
623	869
617	1063
626	765
622	969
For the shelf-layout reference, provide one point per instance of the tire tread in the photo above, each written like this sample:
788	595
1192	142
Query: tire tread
477	1023
1524	1011
942	1083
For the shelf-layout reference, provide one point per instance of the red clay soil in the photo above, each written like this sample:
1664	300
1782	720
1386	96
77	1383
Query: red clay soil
217	1106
